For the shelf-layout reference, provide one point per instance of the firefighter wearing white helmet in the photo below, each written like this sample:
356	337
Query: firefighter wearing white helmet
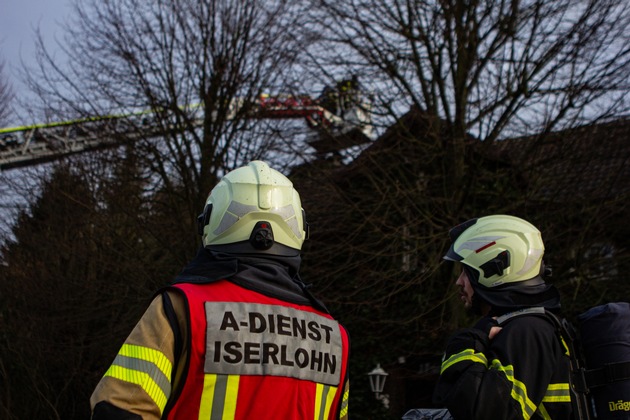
238	334
502	257
254	209
511	364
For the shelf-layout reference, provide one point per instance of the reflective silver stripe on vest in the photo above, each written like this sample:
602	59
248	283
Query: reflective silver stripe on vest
322	404
257	339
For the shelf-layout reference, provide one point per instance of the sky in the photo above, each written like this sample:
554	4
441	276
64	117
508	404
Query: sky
18	20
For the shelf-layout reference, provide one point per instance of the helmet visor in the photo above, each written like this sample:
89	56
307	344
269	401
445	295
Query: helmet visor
451	255
455	233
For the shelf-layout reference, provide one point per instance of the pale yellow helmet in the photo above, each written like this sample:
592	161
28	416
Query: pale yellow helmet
501	249
254	209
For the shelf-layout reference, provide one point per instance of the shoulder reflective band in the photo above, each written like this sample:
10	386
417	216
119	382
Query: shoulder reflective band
256	339
146	367
466	355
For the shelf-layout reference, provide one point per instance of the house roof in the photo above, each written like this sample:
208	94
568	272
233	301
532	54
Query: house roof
414	140
591	162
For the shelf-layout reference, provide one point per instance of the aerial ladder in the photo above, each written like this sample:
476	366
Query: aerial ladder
340	118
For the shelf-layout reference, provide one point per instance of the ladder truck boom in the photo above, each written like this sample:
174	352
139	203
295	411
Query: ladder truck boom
345	123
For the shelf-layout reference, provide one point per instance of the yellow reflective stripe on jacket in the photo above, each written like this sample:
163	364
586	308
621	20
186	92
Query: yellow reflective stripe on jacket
324	396
148	368
468	354
343	412
218	399
543	412
519	390
558	393
566	347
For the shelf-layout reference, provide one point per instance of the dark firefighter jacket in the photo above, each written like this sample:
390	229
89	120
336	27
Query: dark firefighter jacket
522	373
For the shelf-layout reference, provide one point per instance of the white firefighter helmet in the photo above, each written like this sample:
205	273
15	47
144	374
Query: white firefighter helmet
501	249
254	209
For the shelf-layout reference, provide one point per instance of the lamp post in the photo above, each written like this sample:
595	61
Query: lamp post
377	382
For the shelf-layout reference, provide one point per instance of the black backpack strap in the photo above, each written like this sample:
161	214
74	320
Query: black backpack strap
578	386
528	311
607	374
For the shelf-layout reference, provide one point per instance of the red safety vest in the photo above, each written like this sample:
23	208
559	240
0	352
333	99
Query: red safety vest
255	357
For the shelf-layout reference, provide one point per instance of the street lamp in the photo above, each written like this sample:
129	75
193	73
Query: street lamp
377	380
